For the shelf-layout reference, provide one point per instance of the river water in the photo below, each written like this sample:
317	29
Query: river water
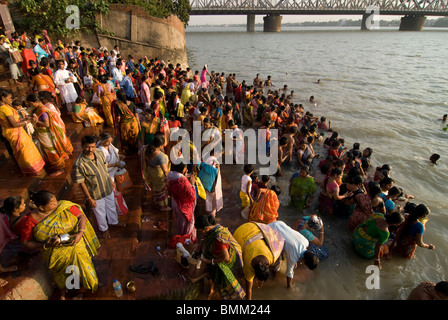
384	89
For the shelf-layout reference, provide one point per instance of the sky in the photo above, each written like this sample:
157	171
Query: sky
242	19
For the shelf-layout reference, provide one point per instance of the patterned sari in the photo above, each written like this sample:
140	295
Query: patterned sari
155	177
88	114
62	221
301	190
25	151
53	140
107	97
367	235
363	210
221	273
266	209
129	128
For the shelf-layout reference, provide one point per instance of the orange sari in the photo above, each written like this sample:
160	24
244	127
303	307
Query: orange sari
266	209
107	97
25	151
54	142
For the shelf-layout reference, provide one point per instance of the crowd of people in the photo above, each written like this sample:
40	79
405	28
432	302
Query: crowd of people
140	103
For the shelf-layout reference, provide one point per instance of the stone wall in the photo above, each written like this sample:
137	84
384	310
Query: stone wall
140	34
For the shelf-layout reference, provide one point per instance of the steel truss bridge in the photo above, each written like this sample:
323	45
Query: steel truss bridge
318	7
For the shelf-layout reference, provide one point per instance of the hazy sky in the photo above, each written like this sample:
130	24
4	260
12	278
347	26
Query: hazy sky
242	19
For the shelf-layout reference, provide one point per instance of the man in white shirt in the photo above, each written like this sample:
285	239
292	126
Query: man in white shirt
64	79
295	248
116	72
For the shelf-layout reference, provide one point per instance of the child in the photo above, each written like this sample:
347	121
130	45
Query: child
246	186
23	114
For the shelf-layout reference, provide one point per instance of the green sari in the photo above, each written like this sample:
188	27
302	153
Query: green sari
221	273
367	235
301	190
62	221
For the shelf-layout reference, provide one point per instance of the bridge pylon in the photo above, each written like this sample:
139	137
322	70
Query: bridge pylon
412	22
250	23
272	23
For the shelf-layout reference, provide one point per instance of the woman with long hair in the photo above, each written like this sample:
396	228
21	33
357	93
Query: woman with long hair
107	96
52	136
128	120
410	235
367	203
330	191
183	200
156	166
25	151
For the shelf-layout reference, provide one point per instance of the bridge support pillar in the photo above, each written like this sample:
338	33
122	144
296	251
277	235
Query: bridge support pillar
272	23
250	23
412	22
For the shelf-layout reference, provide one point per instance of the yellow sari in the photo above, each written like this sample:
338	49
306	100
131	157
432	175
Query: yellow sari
129	128
155	177
62	221
25	151
107	97
89	114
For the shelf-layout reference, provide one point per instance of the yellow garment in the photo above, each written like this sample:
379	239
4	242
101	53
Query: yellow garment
245	200
88	114
250	251
201	190
62	221
25	151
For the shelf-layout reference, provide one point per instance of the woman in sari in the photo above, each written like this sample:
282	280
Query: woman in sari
410	234
25	151
51	134
221	252
149	126
12	206
155	172
81	113
366	204
128	119
306	226
302	188
373	233
330	191
114	165
107	96
265	210
41	82
41	230
183	200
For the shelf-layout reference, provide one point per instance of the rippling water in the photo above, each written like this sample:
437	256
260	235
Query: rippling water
384	89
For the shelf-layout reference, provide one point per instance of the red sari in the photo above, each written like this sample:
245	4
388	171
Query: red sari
183	202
